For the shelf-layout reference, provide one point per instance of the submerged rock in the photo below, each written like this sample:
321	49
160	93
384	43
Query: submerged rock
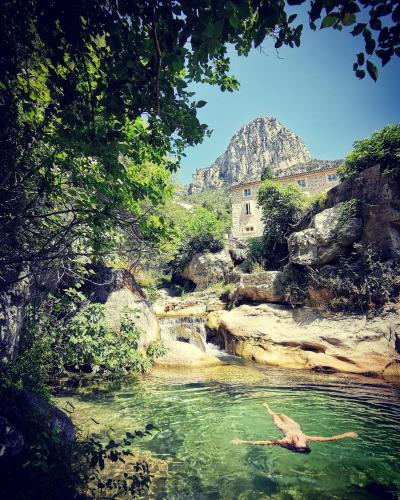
306	338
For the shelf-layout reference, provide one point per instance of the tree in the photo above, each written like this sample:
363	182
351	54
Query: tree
281	209
95	105
382	148
377	21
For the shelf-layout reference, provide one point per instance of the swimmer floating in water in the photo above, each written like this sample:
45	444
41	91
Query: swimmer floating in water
294	439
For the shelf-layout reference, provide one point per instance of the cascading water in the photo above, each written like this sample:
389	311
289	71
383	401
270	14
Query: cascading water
189	329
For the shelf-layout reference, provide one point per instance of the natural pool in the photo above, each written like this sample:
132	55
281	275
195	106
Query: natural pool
199	412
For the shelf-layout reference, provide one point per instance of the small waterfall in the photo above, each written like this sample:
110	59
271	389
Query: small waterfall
192	329
189	329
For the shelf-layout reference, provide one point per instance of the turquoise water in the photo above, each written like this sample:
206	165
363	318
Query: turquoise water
200	412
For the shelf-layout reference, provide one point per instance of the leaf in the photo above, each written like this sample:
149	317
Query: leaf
376	24
360	73
358	28
329	20
348	19
200	104
292	18
360	58
352	8
370	46
372	70
295	2
384	55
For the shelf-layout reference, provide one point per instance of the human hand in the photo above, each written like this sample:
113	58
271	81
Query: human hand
352	434
236	441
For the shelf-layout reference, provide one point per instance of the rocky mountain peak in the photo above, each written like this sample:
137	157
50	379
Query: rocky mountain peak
262	142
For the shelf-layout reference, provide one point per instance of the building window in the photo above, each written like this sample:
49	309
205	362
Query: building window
302	183
247	192
249	229
247	209
331	177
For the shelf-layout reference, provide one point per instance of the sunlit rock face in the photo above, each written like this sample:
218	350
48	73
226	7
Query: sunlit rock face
262	142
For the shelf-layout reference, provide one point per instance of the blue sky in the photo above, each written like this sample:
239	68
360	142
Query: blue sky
311	90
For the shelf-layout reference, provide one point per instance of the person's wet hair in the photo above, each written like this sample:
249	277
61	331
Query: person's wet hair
296	449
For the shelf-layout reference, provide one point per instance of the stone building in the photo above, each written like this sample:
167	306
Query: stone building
313	177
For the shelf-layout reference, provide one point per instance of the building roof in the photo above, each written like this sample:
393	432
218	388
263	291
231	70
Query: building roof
298	169
307	167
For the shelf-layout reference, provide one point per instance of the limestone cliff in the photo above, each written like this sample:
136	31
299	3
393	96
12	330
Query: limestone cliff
260	143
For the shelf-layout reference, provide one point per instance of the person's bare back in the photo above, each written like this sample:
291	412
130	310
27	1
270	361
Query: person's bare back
294	439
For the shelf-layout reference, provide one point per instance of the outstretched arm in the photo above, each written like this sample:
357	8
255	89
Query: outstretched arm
276	442
268	409
332	438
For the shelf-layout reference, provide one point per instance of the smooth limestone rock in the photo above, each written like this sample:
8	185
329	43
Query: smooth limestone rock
260	287
185	355
264	142
305	338
119	292
204	269
329	236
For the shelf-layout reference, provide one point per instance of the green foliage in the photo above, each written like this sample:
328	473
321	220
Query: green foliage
267	173
217	201
317	201
156	350
32	367
69	334
256	253
348	210
381	148
90	342
294	282
359	283
281	209
101	462
198	230
54	467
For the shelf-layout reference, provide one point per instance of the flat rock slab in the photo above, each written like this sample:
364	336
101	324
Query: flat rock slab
185	355
305	338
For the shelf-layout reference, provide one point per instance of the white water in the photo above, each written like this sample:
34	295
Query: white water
191	329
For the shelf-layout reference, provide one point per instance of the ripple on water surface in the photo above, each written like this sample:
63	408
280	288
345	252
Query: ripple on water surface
200	412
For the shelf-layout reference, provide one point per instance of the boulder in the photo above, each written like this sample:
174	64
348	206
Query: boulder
11	440
331	234
204	269
379	194
185	355
305	338
260	287
237	250
21	406
119	292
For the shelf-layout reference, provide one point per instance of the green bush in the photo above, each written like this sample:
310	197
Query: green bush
90	343
63	334
200	231
381	148
281	209
359	283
